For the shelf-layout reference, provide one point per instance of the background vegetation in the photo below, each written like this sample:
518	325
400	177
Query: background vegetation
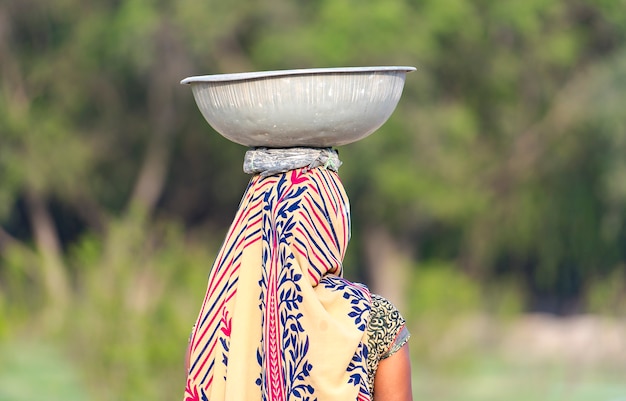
497	189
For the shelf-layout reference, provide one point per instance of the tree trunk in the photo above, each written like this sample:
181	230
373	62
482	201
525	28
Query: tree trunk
54	273
388	265
163	119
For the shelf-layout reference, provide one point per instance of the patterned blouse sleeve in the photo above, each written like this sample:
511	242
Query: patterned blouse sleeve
387	327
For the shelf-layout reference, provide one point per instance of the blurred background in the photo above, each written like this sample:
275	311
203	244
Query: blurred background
490	208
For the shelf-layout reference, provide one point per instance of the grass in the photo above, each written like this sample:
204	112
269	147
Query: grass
33	370
36	371
492	378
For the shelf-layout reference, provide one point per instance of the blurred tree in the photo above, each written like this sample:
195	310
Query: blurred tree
504	158
472	167
92	119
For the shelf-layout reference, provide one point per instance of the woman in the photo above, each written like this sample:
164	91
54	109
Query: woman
278	321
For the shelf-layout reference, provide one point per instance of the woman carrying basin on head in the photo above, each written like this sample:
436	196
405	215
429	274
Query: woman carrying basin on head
279	322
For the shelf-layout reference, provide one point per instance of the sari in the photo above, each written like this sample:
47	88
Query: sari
278	321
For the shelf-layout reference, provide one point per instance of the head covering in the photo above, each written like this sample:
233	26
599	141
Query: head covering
278	321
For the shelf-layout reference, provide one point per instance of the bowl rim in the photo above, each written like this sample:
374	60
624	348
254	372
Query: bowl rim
241	76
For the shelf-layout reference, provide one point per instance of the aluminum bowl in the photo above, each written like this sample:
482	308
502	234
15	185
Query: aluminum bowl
320	107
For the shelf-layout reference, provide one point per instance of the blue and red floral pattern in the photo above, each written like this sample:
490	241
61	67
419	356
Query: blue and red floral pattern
297	223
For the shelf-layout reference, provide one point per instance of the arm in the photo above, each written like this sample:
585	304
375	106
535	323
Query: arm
393	377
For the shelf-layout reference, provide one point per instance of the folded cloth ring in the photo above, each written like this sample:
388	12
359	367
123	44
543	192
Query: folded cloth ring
271	161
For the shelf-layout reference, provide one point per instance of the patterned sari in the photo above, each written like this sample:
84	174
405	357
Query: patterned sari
278	321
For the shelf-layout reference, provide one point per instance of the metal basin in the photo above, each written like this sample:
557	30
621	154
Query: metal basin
320	107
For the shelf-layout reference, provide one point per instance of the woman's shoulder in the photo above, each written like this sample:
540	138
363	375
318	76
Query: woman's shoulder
387	330
386	333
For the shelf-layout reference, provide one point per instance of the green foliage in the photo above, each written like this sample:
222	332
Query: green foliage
441	292
18	279
504	160
607	295
489	139
138	295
